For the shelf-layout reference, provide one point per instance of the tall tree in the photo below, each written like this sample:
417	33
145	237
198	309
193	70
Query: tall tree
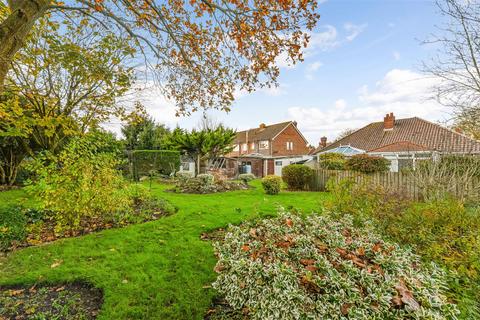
202	50
70	80
145	134
62	84
457	63
203	145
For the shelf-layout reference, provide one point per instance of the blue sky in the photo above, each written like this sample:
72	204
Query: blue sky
363	61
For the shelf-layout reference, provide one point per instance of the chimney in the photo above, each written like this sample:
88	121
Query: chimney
262	126
323	142
389	121
295	123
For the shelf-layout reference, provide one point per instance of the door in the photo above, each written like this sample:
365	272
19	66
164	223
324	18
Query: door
278	168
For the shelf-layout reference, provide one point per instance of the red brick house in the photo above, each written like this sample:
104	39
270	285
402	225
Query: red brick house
403	141
267	149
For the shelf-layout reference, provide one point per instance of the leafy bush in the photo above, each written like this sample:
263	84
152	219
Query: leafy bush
12	226
163	162
184	175
206	178
367	164
80	183
363	199
297	176
272	184
246	177
332	161
443	230
323	268
206	183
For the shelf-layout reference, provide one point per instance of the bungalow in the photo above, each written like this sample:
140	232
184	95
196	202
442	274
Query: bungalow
267	149
403	141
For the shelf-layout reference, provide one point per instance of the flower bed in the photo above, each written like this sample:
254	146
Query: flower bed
69	302
26	227
319	268
206	183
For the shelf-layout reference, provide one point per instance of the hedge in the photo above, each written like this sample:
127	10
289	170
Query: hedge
144	162
368	164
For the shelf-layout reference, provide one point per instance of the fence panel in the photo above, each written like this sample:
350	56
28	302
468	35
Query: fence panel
393	181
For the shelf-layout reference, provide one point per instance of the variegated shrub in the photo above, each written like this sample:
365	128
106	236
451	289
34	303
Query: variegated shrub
324	268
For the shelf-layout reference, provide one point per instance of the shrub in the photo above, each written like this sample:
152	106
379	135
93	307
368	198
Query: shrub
12	226
206	183
246	177
322	268
297	176
272	184
163	162
184	175
206	178
452	176
80	183
332	161
443	230
367	164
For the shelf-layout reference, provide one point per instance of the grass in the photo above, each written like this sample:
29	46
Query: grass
155	270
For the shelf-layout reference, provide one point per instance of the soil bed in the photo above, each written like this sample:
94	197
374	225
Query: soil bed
72	301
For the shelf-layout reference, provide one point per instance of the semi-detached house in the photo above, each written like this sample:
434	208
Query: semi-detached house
267	149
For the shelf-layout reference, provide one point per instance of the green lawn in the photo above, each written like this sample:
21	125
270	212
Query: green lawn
155	270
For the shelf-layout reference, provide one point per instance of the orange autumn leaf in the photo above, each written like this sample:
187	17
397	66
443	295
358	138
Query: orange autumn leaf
245	247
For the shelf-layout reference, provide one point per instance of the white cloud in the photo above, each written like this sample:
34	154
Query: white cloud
323	41
403	92
311	69
396	55
354	30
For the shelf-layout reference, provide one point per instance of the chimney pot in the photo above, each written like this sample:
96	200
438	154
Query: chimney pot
262	125
323	142
389	121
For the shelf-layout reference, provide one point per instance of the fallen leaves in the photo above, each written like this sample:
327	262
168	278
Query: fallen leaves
56	263
404	297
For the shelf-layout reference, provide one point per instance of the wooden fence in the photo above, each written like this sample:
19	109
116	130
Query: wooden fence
400	182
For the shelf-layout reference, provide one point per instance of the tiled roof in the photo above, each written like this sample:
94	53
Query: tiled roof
265	133
402	146
410	132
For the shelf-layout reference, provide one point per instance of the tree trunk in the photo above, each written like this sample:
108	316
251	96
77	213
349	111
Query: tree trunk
15	28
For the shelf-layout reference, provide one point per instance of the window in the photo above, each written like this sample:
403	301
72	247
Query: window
236	148
252	145
263	144
289	145
244	147
278	163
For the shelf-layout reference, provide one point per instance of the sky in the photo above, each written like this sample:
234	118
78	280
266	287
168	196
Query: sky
364	61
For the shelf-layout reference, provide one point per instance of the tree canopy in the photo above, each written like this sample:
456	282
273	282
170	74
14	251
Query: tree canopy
202	51
202	145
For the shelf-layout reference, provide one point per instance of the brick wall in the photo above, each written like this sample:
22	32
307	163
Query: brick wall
290	134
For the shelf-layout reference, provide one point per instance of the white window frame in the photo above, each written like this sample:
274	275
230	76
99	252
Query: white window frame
289	145
263	144
236	148
244	147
